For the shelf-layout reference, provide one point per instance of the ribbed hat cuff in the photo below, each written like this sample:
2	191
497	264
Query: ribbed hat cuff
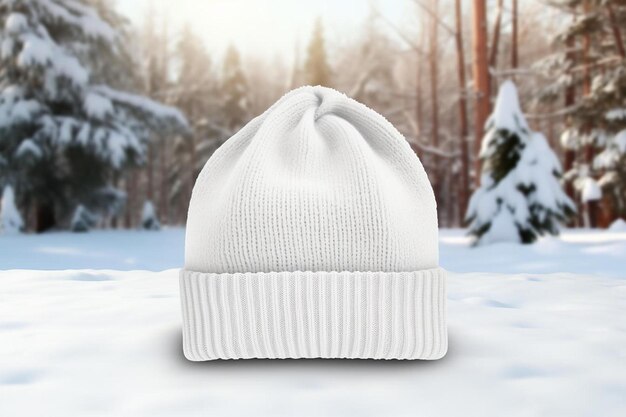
379	315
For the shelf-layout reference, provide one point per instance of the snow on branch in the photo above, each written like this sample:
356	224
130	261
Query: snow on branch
144	106
80	16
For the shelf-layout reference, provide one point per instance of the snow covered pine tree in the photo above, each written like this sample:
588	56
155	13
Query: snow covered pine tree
65	130
520	196
589	70
149	219
10	218
82	220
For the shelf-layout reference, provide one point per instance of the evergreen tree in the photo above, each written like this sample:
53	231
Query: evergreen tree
196	95
149	219
591	64
65	128
10	218
194	75
519	197
317	70
234	92
82	220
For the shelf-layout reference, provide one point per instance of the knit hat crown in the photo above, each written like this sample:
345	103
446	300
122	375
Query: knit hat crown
317	208
319	182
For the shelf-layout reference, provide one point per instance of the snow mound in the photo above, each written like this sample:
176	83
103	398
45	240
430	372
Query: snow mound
618	225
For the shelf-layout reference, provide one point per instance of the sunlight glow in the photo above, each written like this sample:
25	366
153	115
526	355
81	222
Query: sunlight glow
271	27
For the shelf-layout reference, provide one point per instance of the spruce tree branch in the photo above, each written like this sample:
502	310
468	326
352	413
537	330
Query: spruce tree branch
598	63
536	72
559	113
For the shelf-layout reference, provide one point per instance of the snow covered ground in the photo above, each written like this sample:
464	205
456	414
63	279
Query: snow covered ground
121	250
534	331
598	253
586	252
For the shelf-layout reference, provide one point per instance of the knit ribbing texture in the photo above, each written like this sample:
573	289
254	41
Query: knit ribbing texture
314	315
318	183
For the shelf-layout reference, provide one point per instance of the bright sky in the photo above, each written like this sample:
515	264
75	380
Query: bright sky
268	27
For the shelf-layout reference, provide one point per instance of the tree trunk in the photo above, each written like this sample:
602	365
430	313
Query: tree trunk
452	188
464	188
586	50
150	172
570	154
115	216
481	76
434	92
419	108
495	41
591	206
514	35
163	212
192	171
131	201
619	43
44	217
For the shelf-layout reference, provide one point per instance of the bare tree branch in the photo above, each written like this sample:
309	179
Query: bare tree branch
398	32
435	16
416	142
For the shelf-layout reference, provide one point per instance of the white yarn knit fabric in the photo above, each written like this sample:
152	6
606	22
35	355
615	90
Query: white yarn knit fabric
312	233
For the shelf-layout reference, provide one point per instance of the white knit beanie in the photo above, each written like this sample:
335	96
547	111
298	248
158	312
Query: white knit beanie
312	233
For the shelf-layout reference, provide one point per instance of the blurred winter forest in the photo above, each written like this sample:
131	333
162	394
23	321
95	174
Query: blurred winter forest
106	123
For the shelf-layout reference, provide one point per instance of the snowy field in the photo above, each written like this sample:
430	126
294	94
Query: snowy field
534	331
585	252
